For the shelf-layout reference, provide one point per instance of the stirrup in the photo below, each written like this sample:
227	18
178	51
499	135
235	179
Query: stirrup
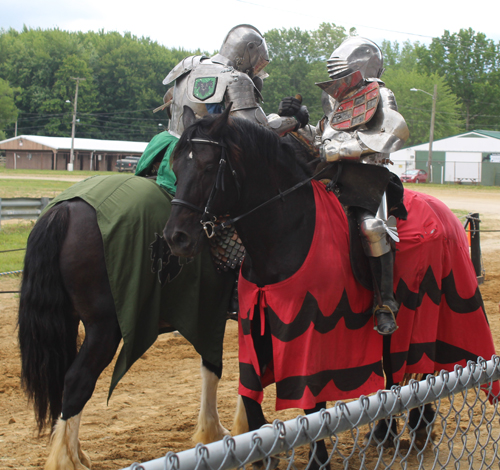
375	325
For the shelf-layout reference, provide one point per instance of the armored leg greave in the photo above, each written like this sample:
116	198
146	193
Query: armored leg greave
375	233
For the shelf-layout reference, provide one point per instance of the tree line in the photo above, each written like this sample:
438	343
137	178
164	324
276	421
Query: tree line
123	77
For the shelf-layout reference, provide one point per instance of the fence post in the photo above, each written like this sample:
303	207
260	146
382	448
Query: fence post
44	202
475	245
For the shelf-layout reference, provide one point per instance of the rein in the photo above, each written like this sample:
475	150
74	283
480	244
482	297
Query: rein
209	225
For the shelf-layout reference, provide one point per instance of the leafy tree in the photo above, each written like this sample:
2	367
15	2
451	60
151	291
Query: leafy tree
123	81
469	62
416	107
8	110
398	57
298	60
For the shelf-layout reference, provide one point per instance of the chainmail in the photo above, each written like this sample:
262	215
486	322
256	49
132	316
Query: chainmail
227	249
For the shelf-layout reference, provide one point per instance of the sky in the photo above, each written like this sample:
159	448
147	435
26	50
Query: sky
193	24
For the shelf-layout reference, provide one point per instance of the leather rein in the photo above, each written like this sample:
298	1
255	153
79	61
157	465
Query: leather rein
209	220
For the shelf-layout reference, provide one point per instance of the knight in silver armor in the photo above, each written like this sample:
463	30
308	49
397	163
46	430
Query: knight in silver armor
362	125
234	75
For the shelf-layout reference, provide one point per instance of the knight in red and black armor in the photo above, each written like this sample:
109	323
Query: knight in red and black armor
361	127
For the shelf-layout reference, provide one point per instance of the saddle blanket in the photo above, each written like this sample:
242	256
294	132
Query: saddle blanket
324	344
189	295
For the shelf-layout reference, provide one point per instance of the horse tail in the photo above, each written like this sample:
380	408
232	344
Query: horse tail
47	331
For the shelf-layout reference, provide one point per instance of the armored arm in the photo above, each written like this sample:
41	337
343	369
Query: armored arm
292	116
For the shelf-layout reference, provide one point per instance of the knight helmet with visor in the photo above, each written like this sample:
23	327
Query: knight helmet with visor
245	49
354	61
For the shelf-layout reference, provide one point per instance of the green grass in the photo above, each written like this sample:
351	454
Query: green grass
13	236
11	172
32	188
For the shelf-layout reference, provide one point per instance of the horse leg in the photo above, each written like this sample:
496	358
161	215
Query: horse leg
95	355
256	420
318	451
264	348
421	422
386	429
240	423
209	428
65	449
86	282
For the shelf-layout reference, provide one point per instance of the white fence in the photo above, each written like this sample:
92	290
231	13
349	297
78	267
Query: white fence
464	432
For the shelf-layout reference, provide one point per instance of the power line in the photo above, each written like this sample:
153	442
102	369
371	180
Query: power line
321	17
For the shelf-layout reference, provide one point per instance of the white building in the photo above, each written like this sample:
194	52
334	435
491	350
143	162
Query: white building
472	157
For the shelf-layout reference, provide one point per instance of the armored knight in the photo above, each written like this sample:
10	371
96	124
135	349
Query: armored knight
362	126
234	75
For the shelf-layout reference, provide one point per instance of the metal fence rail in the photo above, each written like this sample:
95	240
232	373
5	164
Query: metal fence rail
22	208
464	432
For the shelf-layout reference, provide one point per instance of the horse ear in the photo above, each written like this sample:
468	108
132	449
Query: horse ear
188	117
221	122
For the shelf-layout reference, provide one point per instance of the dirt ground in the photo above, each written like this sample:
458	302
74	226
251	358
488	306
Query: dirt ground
154	408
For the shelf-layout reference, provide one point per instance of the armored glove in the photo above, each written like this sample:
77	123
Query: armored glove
289	106
292	106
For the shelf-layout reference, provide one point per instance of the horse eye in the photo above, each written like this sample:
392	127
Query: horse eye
209	168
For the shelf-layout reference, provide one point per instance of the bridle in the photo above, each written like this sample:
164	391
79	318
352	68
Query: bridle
209	220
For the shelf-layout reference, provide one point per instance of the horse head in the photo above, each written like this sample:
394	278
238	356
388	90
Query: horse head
207	184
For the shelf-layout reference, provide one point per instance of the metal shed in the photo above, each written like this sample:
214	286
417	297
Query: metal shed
472	157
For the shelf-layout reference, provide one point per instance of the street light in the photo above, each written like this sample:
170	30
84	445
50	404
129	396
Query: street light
433	119
71	155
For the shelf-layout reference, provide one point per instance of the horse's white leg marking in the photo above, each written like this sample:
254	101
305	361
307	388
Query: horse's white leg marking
65	451
209	428
240	423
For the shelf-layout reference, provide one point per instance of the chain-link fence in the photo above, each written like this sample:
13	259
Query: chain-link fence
446	421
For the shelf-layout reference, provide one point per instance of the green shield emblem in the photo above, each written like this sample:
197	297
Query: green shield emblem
204	87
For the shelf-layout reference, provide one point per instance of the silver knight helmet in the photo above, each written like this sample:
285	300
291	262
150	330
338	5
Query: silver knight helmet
354	61
245	49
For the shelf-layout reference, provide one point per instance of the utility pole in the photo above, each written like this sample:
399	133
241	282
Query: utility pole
433	120
431	132
71	155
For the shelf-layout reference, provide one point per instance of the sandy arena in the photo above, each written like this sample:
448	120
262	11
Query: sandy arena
154	408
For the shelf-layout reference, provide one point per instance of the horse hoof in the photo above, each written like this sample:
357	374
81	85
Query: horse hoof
422	438
316	463
381	434
420	422
262	464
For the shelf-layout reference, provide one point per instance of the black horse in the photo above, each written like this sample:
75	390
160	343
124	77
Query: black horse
74	272
319	347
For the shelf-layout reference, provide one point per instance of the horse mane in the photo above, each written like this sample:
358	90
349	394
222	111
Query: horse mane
245	137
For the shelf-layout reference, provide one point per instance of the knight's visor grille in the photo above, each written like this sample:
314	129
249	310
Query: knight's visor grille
336	66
